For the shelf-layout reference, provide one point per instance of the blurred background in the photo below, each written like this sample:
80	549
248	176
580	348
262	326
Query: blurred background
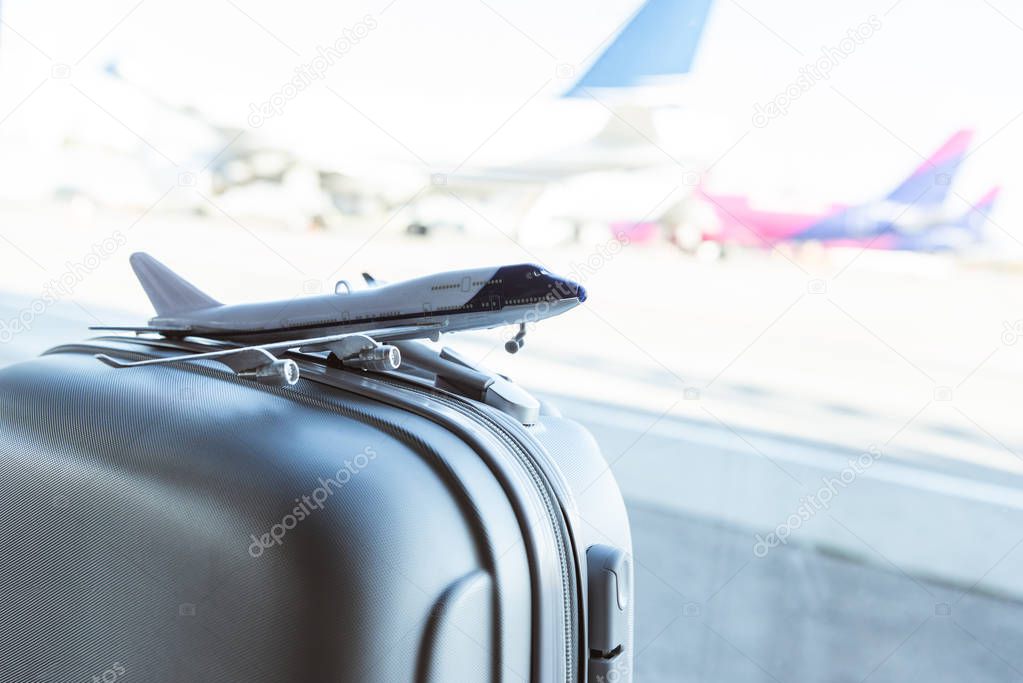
799	225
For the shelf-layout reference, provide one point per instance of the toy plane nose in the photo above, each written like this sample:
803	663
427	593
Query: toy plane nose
571	289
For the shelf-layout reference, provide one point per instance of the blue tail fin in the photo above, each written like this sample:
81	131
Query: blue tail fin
659	40
929	184
977	216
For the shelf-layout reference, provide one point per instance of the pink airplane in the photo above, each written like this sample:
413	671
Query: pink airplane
910	217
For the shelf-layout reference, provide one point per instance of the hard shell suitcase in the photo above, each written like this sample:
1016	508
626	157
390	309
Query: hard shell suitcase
173	523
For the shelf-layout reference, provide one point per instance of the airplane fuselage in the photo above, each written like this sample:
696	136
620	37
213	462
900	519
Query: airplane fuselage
459	300
912	216
880	225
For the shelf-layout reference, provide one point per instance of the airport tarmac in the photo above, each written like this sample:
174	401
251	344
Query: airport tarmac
726	397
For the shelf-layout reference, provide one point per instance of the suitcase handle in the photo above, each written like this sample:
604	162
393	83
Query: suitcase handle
609	585
454	373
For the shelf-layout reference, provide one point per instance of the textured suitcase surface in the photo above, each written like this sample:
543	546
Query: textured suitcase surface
178	523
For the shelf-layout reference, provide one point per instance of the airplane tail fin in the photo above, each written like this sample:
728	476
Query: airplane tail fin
169	293
977	215
660	40
929	184
628	125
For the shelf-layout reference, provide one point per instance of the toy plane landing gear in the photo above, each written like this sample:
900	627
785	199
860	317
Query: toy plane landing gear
518	341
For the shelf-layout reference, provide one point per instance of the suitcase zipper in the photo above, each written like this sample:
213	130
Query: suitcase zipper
548	492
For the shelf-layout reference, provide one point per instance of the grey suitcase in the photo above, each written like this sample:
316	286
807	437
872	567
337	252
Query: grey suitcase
173	523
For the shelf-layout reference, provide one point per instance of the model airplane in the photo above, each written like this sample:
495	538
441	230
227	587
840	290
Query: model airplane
353	325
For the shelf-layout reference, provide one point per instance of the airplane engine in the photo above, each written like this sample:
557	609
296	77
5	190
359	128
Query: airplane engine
382	357
279	373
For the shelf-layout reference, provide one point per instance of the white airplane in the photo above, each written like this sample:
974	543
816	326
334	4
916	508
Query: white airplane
585	150
353	325
614	174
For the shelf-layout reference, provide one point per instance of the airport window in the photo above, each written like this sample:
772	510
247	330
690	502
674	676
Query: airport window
805	373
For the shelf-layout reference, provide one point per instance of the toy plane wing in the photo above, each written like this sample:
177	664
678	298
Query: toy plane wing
138	329
357	349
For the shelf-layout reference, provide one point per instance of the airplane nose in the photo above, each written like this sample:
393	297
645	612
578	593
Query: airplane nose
564	288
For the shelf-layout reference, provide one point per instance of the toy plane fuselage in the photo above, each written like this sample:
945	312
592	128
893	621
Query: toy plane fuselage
354	326
460	300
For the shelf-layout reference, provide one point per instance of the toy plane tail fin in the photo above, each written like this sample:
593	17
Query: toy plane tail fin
169	293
